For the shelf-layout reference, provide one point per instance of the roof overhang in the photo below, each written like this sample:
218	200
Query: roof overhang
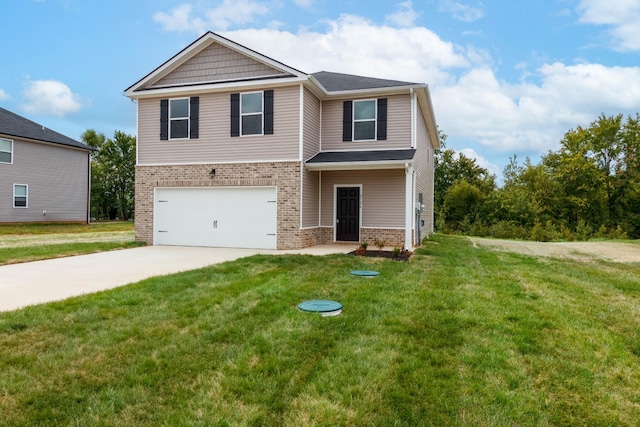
361	160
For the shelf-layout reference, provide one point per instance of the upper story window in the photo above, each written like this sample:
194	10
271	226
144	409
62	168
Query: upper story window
365	120
20	195
179	118
6	151
252	113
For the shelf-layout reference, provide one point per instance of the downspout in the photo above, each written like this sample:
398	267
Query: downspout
89	189
408	208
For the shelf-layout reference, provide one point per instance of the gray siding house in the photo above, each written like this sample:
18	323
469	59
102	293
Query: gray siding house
236	149
44	175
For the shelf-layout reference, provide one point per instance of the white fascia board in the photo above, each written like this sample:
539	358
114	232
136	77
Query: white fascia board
215	87
336	166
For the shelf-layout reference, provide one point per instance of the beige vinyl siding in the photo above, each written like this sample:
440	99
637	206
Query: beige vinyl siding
57	180
215	63
398	126
423	165
311	135
215	145
310	198
383	196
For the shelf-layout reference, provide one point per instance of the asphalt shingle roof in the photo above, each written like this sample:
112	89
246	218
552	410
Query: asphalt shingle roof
336	82
363	156
12	124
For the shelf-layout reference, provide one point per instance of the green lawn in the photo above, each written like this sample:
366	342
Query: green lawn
457	336
28	228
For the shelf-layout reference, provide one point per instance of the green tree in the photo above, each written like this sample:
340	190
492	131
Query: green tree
113	174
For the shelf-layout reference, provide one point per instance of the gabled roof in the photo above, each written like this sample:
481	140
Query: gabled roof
147	82
378	159
17	126
338	82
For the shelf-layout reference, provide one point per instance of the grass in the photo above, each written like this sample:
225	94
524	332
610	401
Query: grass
33	242
14	255
52	228
457	336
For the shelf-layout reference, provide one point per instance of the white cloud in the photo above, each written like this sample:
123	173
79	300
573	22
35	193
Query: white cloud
410	54
481	161
183	18
461	11
534	117
50	97
3	95
622	16
405	16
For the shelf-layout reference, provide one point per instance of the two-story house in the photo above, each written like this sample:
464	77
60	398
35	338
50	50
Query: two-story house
44	175
236	149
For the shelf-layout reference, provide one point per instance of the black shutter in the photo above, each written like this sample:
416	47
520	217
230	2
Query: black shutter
235	114
194	114
268	112
347	117
382	119
164	119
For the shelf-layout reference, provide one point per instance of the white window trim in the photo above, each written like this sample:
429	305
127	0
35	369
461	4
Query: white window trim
27	196
188	117
10	141
375	121
261	92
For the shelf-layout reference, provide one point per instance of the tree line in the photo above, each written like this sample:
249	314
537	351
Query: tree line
112	175
589	187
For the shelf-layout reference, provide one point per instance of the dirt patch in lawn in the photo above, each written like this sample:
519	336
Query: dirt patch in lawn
581	251
14	241
402	256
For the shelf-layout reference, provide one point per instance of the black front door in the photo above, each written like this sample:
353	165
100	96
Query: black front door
348	214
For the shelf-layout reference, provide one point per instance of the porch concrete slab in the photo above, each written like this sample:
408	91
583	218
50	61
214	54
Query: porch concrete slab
38	282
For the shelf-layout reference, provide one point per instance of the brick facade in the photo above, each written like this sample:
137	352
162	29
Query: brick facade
390	236
283	175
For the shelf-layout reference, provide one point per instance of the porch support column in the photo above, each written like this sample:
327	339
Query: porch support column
408	211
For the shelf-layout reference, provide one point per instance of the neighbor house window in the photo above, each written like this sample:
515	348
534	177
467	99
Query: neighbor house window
179	118
20	195
6	151
365	120
252	113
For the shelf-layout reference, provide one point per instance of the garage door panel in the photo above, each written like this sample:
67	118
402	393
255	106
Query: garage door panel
219	217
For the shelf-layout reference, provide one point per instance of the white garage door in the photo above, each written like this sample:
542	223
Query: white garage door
225	217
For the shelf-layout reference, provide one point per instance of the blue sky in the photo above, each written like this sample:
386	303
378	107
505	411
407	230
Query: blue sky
506	77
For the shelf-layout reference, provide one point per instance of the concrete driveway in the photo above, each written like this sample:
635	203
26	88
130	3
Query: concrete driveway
56	279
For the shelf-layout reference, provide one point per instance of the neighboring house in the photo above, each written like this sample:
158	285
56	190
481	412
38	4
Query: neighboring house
44	175
236	149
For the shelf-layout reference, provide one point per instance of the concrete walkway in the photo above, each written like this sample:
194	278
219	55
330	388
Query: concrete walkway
37	282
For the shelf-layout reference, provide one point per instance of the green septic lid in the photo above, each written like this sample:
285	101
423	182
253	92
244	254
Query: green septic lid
365	273
324	307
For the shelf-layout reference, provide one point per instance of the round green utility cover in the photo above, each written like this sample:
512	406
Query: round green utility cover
365	273
324	307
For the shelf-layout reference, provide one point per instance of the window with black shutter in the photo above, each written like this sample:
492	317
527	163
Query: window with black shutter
364	120
179	118
252	113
